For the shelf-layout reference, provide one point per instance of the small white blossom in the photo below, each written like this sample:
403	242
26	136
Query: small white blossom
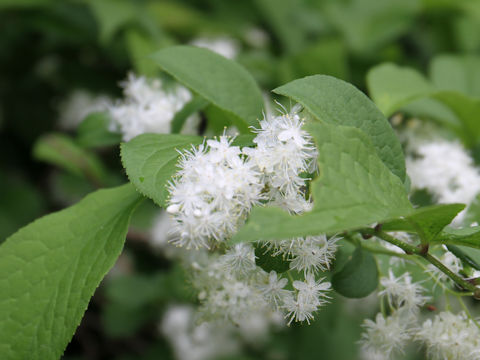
274	291
312	253
310	296
240	259
148	107
449	336
384	336
402	292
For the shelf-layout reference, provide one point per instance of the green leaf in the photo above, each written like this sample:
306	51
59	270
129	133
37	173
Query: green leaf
335	101
194	105
50	269
457	73
151	160
62	151
469	236
93	131
265	259
359	277
426	221
391	86
354	189
221	81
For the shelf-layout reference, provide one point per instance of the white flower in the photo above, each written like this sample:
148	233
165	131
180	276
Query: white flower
312	290
402	292
299	310
223	45
312	253
446	170
449	336
384	335
78	105
274	291
212	193
239	259
311	295
148	107
284	151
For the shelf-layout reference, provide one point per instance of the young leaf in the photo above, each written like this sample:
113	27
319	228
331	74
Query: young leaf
335	101
469	236
391	86
354	189
150	161
221	81
62	151
94	132
50	269
426	221
359	277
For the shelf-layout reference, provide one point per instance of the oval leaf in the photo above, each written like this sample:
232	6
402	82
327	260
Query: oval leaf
50	269
221	81
359	276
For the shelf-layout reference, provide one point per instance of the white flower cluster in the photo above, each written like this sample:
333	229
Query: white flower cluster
284	151
147	107
218	183
449	336
212	193
214	190
233	287
388	335
446	170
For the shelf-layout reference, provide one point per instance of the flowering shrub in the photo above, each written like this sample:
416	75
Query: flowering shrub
271	220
